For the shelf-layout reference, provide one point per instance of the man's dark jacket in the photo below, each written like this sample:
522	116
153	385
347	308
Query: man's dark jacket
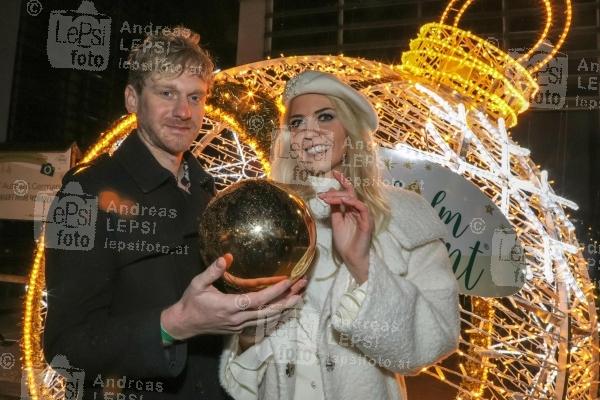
104	304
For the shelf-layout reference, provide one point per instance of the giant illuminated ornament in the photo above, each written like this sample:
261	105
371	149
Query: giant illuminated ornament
450	102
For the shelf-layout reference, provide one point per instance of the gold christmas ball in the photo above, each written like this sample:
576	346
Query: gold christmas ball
267	228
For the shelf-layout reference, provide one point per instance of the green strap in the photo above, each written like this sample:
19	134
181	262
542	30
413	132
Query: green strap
166	336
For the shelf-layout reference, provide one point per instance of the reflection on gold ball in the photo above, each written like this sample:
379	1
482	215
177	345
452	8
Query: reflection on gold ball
266	227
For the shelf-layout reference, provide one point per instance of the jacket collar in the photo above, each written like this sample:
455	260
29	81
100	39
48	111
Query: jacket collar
147	172
198	176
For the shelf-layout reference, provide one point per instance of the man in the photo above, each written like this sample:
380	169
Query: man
134	311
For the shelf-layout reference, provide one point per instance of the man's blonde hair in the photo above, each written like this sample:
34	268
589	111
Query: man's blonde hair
169	52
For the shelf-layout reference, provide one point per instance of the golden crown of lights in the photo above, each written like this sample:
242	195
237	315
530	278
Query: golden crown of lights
473	68
479	72
482	74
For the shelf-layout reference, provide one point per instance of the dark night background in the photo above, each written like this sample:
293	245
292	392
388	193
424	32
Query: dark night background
52	108
64	105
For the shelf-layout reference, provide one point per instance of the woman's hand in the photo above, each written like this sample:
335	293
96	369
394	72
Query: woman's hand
352	227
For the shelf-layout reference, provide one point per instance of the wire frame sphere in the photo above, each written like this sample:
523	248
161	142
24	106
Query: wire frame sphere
541	343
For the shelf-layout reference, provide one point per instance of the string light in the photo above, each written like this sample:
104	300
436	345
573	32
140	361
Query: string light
461	12
472	67
548	7
451	7
561	39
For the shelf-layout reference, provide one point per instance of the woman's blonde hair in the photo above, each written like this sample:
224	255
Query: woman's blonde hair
360	166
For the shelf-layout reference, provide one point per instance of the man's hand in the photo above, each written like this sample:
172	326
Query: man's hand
203	309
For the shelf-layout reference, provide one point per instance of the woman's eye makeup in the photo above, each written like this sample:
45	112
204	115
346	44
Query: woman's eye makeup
321	117
295	122
326	116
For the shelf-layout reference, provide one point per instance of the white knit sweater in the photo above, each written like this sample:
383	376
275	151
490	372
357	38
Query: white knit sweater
349	342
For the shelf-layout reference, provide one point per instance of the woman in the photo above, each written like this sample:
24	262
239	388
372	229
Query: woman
381	299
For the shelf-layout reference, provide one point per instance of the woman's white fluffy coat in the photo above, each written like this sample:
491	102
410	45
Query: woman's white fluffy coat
410	286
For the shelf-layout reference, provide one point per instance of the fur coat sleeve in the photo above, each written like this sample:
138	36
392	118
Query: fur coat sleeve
408	316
